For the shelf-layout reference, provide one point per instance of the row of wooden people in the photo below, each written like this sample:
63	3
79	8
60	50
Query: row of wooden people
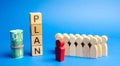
84	45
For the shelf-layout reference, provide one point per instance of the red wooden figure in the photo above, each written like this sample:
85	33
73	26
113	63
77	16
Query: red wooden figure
60	50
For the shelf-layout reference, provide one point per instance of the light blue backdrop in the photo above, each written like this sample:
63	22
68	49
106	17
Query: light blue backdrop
99	17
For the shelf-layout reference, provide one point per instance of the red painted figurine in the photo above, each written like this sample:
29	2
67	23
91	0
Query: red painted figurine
60	50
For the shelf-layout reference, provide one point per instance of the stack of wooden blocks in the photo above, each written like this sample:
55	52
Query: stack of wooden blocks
36	33
83	45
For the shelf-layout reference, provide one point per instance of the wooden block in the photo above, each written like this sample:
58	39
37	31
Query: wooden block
59	36
66	38
99	45
36	40
36	30
36	33
93	49
86	50
35	18
72	45
104	46
37	50
79	50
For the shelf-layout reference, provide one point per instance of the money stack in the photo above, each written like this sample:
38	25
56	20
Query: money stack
16	37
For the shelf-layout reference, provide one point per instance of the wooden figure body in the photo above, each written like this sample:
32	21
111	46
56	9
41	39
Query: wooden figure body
86	41
93	48
60	50
66	39
79	40
99	45
72	45
104	46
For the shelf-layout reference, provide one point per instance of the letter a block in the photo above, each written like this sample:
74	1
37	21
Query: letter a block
36	40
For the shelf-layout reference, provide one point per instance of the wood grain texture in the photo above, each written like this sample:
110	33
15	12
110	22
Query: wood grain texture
37	50
99	45
72	46
35	18
36	29
66	38
86	50
79	50
104	46
36	40
104	50
93	49
93	52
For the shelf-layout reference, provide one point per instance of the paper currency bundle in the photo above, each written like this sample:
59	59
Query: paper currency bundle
16	37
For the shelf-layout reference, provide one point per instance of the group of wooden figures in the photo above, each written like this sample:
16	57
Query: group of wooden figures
88	46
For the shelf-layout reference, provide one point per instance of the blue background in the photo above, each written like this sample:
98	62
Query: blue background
100	17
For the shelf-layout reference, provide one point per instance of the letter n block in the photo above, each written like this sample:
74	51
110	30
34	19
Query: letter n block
37	50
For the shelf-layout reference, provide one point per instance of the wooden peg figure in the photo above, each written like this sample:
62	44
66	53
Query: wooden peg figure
93	48
86	41
66	39
79	50
72	45
60	50
104	46
99	45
